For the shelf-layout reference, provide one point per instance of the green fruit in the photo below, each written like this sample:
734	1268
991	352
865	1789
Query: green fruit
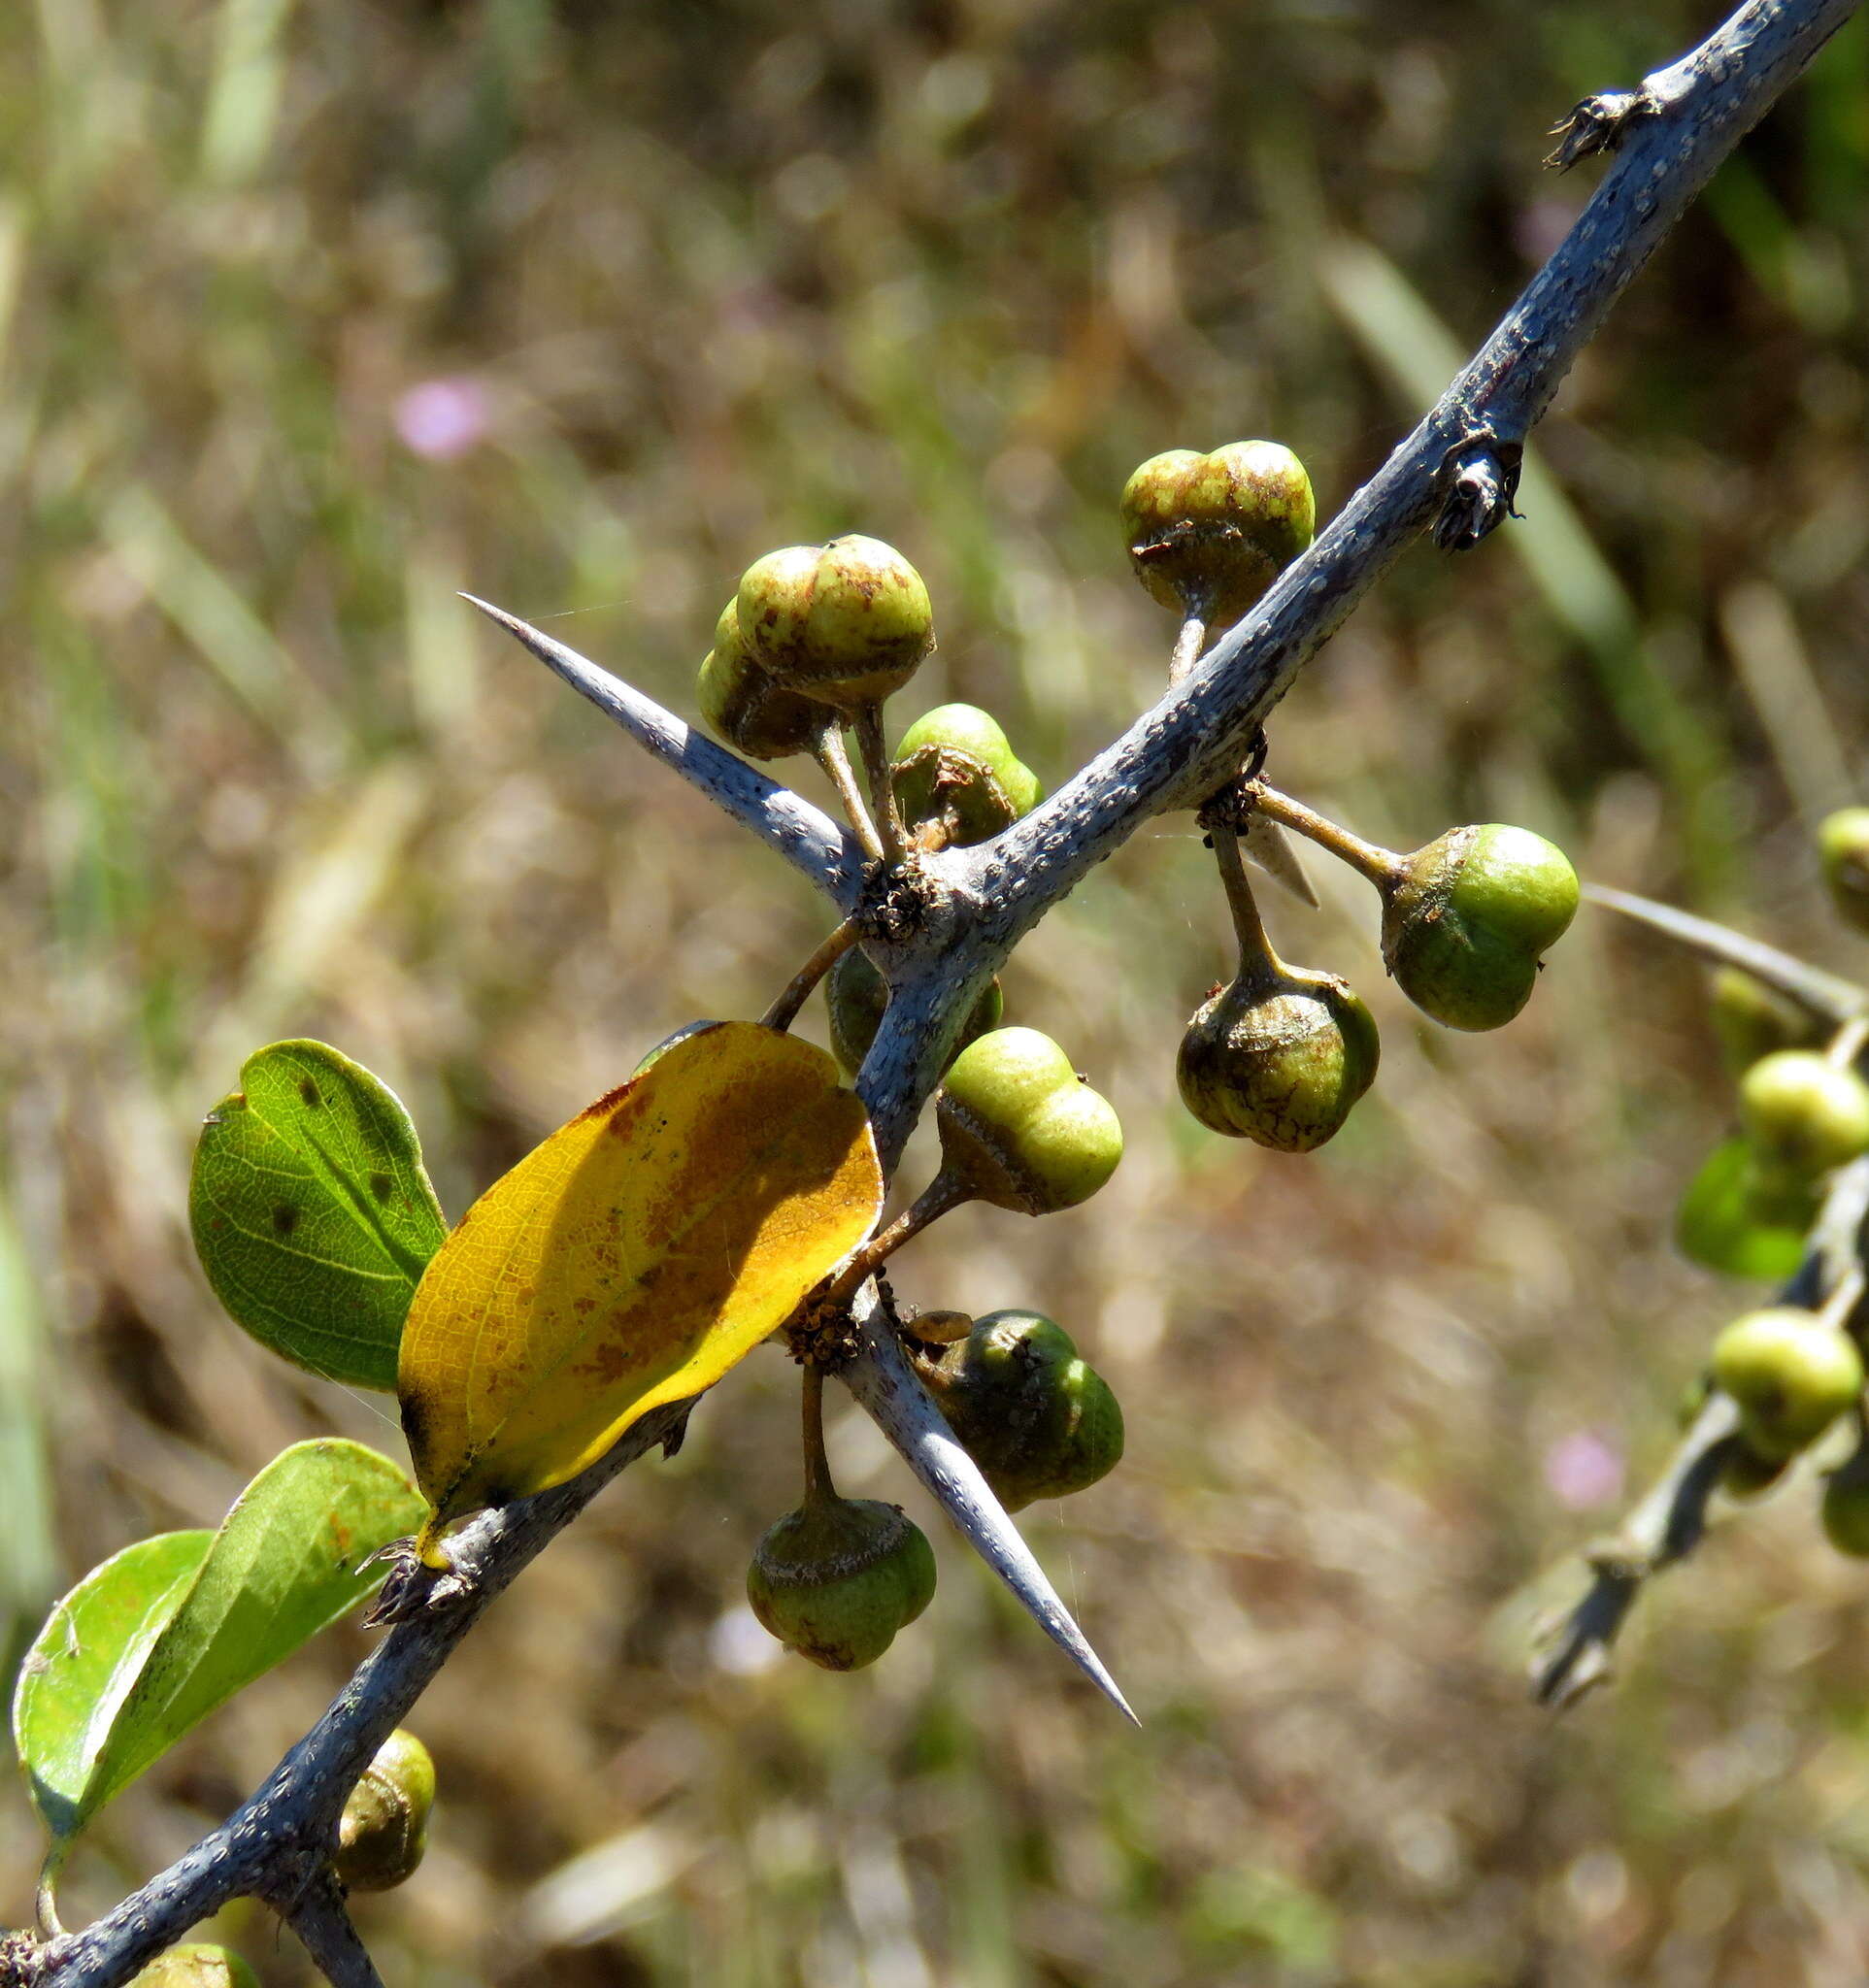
1020	1128
197	1966
1790	1374
384	1829
846	623
956	779
835	1579
1751	1020
1466	921
1039	1420
1741	1220
1843	845
743	705
1846	1507
1208	534
1802	1113
856	994
1278	1057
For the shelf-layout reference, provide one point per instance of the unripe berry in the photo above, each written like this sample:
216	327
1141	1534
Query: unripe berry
1020	1128
1279	1057
1747	1474
1802	1113
1464	924
1843	844
197	1964
1846	1507
743	705
1790	1374
855	995
1208	534
384	1829
1036	1417
835	1579
1742	1221
1753	1020
957	779
846	623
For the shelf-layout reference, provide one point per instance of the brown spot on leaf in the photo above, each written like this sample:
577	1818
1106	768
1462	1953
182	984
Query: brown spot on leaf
382	1187
285	1218
308	1091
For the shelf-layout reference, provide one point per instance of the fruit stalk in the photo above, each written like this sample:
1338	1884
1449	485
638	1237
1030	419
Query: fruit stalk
1383	867
831	755
784	1012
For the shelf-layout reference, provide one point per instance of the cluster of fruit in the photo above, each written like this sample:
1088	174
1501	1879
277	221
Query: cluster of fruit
813	641
382	1836
1803	1110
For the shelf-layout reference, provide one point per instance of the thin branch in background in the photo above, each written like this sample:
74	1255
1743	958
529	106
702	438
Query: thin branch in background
1670	1518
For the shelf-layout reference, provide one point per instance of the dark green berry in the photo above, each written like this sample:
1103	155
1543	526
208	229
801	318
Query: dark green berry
1038	1419
1843	845
855	995
1744	1220
1279	1057
1790	1374
847	623
743	705
835	1579
1802	1113
1746	1473
1020	1127
1467	917
1208	534
1846	1504
384	1829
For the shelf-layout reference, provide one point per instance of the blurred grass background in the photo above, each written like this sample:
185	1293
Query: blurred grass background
311	315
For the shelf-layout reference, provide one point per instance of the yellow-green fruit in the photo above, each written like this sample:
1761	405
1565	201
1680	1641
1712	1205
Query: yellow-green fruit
668	1041
197	1966
1020	1126
1208	534
743	705
1038	1419
855	995
1742	1219
1464	928
1843	844
957	779
1802	1113
835	1579
847	623
1278	1057
384	1829
1790	1375
1753	1020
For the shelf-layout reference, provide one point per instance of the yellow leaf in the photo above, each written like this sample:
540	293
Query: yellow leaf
638	1253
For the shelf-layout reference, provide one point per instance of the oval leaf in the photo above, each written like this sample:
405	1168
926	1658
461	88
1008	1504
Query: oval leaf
313	1215
76	1676
157	1639
638	1253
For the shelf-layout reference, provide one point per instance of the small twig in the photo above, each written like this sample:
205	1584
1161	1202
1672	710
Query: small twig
784	1012
323	1926
943	1192
1381	866
830	754
1669	1520
874	748
1186	650
1827	995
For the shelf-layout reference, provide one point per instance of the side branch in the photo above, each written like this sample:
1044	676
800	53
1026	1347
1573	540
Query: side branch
1669	1520
808	840
1181	749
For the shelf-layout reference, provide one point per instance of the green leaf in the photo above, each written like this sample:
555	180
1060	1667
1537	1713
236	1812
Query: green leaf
313	1215
159	1636
74	1680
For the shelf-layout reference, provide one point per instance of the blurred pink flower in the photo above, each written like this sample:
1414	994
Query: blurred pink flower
443	419
1583	1469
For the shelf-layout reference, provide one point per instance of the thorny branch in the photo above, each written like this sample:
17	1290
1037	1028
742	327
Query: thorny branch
1667	1523
975	904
